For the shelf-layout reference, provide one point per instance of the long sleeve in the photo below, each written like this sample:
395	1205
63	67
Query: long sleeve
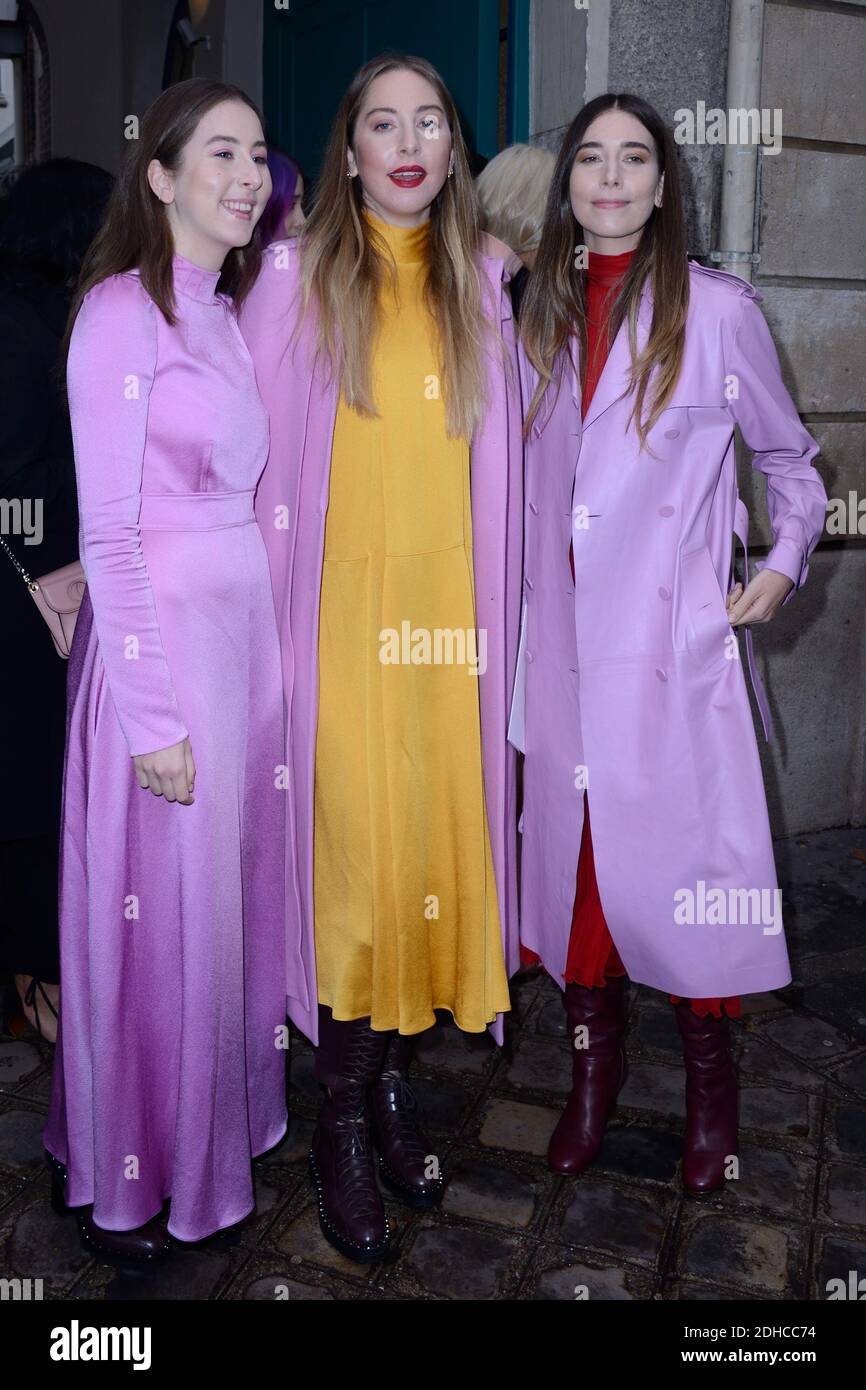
783	448
110	374
267	321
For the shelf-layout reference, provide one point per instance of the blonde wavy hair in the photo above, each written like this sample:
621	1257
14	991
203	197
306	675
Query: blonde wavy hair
512	193
342	267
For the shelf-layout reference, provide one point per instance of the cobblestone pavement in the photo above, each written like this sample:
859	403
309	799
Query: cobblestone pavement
508	1227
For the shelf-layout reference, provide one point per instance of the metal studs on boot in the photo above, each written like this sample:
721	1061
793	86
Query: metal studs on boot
147	1244
407	1164
351	1214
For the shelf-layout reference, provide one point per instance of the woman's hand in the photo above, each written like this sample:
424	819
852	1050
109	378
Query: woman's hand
761	600
169	772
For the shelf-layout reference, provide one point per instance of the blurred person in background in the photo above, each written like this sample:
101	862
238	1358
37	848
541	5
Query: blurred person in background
284	214
512	194
48	220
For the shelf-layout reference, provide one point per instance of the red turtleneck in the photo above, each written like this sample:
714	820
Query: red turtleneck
592	956
603	277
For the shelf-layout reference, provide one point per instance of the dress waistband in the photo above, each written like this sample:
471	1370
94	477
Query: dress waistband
195	511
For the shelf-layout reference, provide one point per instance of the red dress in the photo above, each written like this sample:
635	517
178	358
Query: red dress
592	956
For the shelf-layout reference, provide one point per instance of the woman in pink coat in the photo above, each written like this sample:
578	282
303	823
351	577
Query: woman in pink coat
169	1074
631	694
352	330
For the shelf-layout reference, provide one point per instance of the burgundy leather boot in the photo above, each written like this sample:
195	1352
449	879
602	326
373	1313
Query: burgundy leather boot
347	1061
407	1162
711	1100
599	1071
147	1244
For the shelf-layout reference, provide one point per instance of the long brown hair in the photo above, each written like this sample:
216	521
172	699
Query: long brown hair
342	269
554	303
135	232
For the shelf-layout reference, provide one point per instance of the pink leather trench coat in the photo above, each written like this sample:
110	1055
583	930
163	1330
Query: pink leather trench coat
631	676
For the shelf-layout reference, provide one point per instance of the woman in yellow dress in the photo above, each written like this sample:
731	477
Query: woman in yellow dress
394	424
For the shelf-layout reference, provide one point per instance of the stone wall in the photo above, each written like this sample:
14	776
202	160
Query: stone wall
810	218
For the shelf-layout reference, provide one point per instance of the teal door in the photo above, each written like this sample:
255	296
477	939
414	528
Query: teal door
313	48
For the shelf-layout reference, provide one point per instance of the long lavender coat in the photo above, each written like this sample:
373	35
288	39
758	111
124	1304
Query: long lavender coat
291	505
633	685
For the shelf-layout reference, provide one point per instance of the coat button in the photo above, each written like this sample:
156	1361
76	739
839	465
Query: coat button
533	509
529	656
666	511
662	675
529	583
663	592
672	434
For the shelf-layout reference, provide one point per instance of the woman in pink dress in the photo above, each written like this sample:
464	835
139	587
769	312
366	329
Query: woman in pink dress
169	1073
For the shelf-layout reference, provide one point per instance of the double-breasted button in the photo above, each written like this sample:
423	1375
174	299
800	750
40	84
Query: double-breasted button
672	434
663	592
533	509
662	675
666	511
529	583
529	656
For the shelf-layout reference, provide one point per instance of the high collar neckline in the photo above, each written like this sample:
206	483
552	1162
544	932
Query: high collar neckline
407	245
194	281
606	270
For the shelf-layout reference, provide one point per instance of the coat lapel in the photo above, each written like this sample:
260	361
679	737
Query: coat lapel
613	381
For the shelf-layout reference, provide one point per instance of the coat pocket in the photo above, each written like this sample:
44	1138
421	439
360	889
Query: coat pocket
707	625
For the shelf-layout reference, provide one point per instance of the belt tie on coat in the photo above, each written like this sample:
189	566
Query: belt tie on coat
195	511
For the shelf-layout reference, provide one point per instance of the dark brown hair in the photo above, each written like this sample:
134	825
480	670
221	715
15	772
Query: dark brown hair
554	304
135	232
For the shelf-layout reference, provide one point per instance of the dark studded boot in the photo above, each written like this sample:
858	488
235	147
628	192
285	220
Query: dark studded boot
711	1100
147	1244
347	1061
407	1162
599	1071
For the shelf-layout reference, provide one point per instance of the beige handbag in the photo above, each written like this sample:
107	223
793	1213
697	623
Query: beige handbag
58	597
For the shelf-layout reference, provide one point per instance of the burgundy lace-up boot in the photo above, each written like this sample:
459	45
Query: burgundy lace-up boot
599	1071
711	1100
407	1163
347	1061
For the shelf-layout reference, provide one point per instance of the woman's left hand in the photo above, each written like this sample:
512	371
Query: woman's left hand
761	600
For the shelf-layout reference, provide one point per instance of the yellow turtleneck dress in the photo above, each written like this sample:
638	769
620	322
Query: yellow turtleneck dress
406	913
